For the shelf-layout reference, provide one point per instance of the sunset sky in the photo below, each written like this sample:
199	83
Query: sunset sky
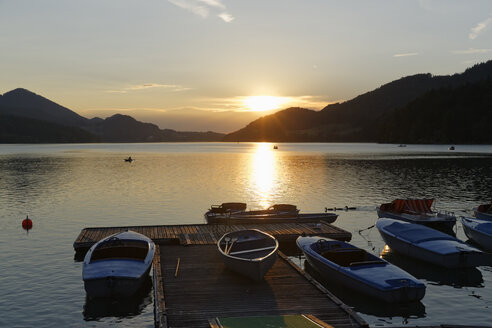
218	64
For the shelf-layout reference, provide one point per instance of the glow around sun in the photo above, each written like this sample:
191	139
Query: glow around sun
264	103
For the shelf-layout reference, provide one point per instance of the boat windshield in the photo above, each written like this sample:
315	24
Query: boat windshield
121	249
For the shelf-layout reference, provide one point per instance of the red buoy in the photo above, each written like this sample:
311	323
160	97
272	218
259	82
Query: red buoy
27	223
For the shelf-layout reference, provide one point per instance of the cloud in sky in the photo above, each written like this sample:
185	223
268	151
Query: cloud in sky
482	26
471	51
408	54
145	86
202	8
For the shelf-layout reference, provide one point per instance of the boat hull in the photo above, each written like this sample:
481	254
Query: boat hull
380	279
428	245
482	215
274	218
480	231
254	270
441	222
114	286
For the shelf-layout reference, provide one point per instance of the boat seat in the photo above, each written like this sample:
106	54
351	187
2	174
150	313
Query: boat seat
252	250
134	253
344	257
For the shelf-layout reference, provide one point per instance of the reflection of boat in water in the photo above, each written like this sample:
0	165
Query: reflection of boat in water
365	304
97	308
462	277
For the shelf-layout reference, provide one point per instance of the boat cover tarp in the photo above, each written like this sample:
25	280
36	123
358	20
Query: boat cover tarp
412	206
285	207
280	321
416	233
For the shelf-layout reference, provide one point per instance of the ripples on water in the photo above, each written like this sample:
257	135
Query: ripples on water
65	188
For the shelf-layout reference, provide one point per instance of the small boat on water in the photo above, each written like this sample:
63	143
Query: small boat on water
429	245
483	212
359	270
117	265
480	231
250	253
129	159
418	211
235	213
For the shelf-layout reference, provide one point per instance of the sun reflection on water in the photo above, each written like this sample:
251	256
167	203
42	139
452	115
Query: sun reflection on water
264	173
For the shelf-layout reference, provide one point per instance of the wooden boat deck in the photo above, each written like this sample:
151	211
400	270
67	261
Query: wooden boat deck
192	287
205	234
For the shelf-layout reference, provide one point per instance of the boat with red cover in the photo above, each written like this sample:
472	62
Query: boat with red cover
418	211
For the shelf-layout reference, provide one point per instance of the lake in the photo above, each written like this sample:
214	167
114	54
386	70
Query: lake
65	188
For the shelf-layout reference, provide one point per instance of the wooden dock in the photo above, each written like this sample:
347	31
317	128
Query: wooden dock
200	288
205	234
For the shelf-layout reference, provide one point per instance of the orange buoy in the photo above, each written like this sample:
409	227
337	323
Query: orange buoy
27	223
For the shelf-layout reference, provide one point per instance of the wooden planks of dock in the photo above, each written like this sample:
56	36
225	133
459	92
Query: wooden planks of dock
204	234
201	289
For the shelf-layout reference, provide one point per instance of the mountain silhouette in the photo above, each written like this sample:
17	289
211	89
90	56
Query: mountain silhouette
28	117
355	120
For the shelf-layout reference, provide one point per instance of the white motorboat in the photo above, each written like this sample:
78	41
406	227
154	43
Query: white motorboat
117	265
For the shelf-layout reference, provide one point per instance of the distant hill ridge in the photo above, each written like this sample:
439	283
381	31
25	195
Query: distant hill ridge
28	117
415	109
356	119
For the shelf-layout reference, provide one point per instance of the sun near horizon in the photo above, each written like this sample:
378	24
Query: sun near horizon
264	103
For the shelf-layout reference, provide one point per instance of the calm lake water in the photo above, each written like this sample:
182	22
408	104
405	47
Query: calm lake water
65	188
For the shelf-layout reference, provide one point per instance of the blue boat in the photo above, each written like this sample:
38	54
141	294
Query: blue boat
480	231
355	268
429	245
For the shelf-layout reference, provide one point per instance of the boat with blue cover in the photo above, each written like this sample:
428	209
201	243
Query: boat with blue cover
480	231
429	245
359	270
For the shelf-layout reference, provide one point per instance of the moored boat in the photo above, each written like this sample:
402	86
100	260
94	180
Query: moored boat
429	245
480	231
418	211
483	212
117	265
237	214
250	253
359	270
